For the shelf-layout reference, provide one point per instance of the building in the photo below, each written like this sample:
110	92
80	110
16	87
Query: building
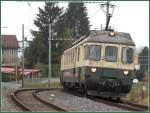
10	48
26	44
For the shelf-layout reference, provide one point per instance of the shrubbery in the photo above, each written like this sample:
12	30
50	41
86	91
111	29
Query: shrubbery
55	69
43	68
7	78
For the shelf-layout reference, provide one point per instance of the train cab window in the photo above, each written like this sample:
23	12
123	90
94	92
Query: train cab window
127	55
111	53
94	52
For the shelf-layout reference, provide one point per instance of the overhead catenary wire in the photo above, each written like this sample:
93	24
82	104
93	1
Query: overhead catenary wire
94	14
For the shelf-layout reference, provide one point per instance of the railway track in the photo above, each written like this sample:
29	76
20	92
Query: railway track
28	101
121	104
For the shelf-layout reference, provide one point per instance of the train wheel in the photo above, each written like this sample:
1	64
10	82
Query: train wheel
65	85
118	99
85	90
109	98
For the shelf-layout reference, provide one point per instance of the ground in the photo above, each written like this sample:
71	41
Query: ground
8	87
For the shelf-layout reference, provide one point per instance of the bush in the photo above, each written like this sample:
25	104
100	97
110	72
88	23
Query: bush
55	69
7	78
43	68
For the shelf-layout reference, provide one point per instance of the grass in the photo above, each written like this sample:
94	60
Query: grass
45	85
137	95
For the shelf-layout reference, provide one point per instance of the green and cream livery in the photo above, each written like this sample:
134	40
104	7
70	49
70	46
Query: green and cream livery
102	62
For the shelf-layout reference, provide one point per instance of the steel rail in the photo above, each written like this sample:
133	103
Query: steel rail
35	91
18	101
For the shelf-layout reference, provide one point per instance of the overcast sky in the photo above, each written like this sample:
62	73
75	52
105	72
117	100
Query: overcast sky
129	16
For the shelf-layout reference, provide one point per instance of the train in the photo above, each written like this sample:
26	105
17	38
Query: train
101	63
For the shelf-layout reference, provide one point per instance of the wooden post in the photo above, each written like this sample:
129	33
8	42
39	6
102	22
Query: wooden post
16	72
32	76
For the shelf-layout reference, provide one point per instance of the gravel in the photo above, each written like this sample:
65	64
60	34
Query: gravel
60	98
7	104
75	103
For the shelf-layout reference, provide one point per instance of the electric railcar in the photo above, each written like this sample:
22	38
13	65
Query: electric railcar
101	63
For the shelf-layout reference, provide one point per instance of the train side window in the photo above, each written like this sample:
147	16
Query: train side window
127	55
67	58
64	59
78	54
74	55
111	53
86	52
71	57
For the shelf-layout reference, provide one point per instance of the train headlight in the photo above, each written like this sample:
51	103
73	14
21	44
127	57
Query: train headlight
125	72
112	33
93	69
135	81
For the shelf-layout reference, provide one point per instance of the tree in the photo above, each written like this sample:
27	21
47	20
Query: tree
70	24
143	61
77	20
38	49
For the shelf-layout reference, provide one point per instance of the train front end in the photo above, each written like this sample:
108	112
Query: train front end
109	65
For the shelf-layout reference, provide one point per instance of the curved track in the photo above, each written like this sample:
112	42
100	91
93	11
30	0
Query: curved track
120	104
27	99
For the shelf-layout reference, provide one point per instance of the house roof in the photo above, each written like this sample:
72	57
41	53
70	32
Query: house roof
9	42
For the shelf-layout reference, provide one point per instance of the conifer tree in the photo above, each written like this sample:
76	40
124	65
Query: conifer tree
77	19
38	50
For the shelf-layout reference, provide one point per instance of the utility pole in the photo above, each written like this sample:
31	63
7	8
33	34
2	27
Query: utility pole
107	10
22	55
50	37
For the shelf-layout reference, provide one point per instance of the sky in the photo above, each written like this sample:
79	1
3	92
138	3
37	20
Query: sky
129	16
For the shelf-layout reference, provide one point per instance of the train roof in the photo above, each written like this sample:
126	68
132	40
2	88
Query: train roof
102	36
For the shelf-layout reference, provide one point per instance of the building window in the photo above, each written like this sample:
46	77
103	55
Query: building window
11	51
